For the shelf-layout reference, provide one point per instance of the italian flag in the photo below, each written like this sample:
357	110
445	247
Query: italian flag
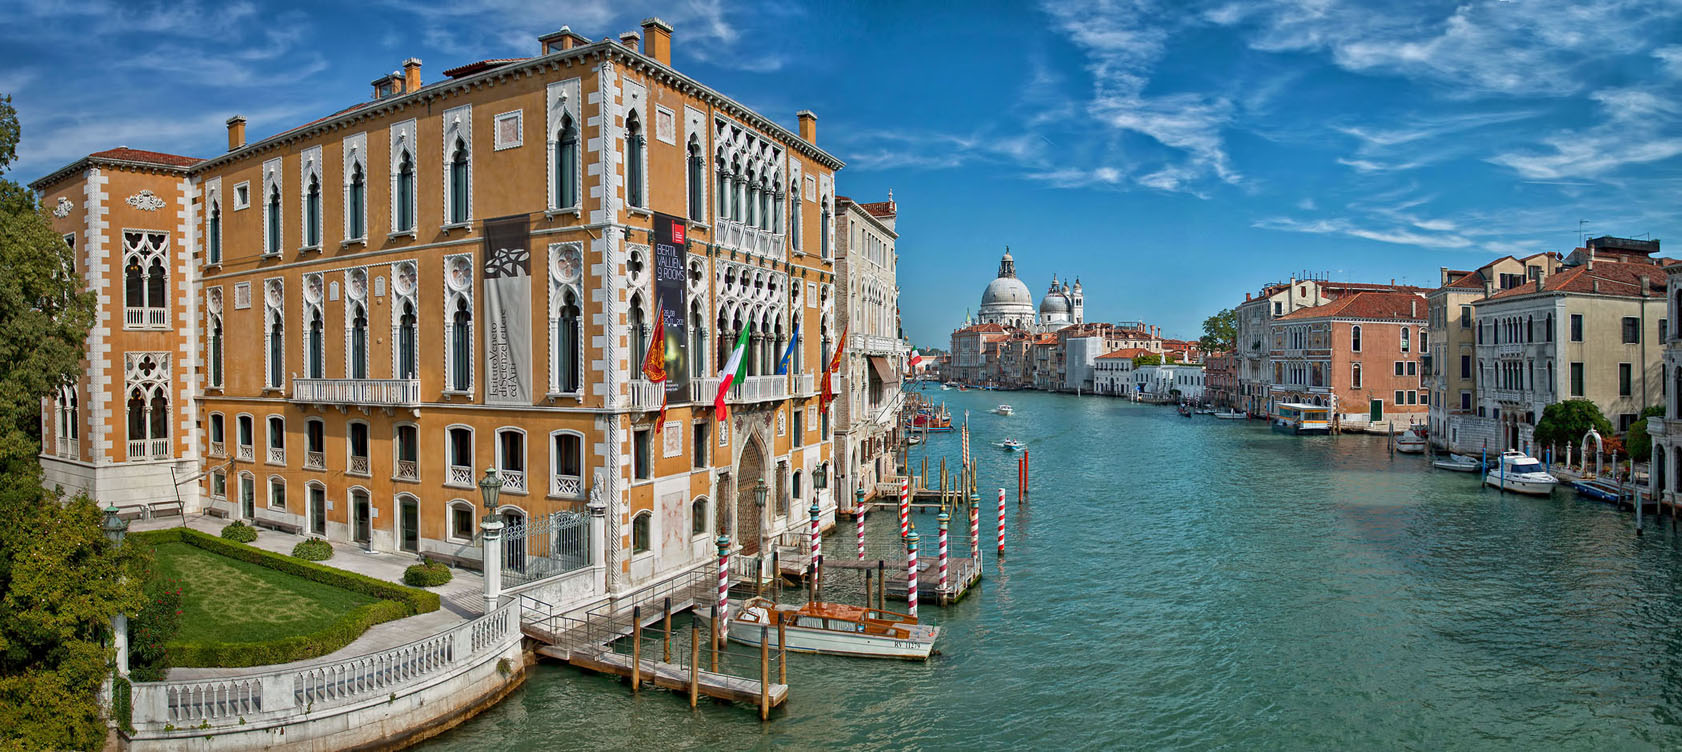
735	370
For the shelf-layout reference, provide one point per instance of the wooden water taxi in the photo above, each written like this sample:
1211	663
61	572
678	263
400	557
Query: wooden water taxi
834	629
1300	418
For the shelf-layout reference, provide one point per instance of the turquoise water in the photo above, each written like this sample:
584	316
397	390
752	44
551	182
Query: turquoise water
1204	584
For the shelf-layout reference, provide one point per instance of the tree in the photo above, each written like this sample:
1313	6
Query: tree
1566	422
1638	442
1220	332
1148	359
60	578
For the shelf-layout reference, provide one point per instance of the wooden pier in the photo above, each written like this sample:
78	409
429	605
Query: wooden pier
671	676
963	574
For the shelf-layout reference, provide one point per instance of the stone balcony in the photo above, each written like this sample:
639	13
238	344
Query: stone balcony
749	390
361	392
873	344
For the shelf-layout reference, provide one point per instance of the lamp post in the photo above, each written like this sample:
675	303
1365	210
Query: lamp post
760	490
115	528
490	487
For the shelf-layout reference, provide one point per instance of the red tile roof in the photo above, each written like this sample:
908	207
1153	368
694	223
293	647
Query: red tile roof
1127	352
981	328
480	65
1367	304
879	208
1606	278
150	157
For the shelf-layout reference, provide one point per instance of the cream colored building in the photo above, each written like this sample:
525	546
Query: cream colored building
873	367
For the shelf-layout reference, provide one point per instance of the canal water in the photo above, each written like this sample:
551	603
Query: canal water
1200	584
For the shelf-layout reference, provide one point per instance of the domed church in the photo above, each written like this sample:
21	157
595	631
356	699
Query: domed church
1007	301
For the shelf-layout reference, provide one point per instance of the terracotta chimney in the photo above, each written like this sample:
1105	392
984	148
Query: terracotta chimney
411	75
236	132
632	40
657	40
808	126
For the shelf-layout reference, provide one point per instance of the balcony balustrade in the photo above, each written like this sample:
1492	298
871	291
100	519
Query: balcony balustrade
358	465
513	480
277	456
148	449
146	318
461	475
569	486
374	392
408	470
245	453
217	449
646	395
315	460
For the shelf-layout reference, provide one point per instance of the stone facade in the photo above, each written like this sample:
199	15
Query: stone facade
874	365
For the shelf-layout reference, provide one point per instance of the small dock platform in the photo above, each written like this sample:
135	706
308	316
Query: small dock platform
671	676
963	574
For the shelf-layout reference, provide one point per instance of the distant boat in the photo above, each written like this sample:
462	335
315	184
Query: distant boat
1004	410
1459	463
1185	410
913	439
1205	411
834	629
1012	445
1232	415
1411	441
1520	473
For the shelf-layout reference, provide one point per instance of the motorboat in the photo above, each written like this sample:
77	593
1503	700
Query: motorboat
833	629
1302	418
1520	473
1459	463
1411	441
1205	411
1012	445
1232	415
913	439
1004	410
1185	410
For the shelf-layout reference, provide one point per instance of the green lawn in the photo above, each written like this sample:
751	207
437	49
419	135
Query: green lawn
226	600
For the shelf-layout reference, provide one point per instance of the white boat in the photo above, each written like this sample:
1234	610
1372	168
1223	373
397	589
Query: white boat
1302	418
1232	415
1012	445
913	439
1003	410
834	629
1411	441
1459	463
1205	411
1520	473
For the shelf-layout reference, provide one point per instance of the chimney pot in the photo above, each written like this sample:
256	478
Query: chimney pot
808	126
657	40
411	74
632	40
236	132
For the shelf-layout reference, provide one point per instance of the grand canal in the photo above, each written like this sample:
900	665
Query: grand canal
1204	584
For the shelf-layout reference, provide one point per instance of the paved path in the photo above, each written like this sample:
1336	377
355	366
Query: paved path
462	596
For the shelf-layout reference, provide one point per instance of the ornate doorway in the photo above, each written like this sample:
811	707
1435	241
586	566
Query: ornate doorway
750	472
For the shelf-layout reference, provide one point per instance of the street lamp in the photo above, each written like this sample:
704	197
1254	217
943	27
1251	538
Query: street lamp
759	492
490	487
115	527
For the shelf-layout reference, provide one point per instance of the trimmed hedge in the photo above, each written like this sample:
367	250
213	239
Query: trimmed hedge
314	549
395	602
239	532
426	574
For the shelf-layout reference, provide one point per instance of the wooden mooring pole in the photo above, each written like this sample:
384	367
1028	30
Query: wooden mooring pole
694	661
764	673
782	654
869	595
881	585
666	654
636	649
715	629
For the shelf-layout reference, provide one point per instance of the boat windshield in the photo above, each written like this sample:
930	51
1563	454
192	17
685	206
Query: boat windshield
1531	466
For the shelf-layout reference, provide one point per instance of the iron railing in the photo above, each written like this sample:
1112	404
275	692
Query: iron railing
541	547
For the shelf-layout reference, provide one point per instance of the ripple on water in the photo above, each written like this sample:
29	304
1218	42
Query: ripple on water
1202	584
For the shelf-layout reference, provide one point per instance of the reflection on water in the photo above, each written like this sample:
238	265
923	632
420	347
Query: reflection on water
1211	584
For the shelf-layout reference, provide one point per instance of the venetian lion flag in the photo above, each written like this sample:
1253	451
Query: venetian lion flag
654	361
735	370
824	394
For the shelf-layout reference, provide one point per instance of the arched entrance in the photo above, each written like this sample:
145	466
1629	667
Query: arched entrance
749	473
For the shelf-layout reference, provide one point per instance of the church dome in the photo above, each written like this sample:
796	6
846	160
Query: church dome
1054	304
1006	291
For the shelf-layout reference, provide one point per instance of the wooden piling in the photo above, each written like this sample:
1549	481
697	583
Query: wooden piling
694	661
868	593
759	575
666	653
764	673
881	585
776	576
636	649
715	628
782	654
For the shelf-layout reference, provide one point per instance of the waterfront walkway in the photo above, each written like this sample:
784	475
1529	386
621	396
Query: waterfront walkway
462	596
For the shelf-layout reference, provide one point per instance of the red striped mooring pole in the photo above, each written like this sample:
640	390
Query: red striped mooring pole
1001	522
904	506
858	514
945	520
911	575
817	540
723	585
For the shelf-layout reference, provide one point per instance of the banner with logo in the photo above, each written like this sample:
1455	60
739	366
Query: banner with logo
507	275
671	286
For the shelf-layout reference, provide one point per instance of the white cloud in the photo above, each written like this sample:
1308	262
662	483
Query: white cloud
1340	226
1670	58
1635	126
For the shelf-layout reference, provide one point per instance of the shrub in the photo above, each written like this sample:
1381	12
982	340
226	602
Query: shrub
122	703
314	549
152	629
427	574
239	532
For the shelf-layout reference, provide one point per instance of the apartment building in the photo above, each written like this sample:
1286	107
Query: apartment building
867	414
1358	354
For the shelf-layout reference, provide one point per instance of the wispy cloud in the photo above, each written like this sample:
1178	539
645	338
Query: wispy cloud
1341	226
1636	126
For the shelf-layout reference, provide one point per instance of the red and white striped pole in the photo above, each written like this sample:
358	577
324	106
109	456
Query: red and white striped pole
904	506
723	585
1001	522
858	515
911	575
975	528
817	538
945	521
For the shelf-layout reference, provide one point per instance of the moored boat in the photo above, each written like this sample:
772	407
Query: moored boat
1599	489
834	629
1232	415
1459	463
1298	417
1520	473
1185	410
1411	441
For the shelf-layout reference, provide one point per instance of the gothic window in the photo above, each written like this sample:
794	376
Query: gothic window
823	227
568	354
750	213
405	192
277	352
359	342
356	200
273	241
214	252
635	145
216	350
566	164
312	213
639	334
458	183
697	178
317	347
406	336
794	216
724	203
698	344
461	347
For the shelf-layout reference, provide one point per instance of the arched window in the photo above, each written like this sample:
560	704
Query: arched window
356	200
724	199
511	459
312	213
358	446
1405	339
640	533
697	176
794	216
214	253
317	347
462	523
359	342
408	452
634	165
566	464
750	213
277	440
823	227
277	353
765	199
406	335
405	192
458	183
459	453
698	516
1355	338
639	333
698	341
568	352
566	164
274	221
216	350
461	352
134	284
157	283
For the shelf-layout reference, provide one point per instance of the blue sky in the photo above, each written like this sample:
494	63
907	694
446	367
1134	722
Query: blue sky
1172	155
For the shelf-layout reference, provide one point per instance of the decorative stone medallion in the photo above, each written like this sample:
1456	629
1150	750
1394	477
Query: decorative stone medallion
63	209
146	201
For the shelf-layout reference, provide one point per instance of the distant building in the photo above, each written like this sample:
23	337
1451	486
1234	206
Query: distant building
1358	354
1221	379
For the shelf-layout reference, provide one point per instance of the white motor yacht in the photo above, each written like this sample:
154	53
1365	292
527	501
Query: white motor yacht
1520	473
